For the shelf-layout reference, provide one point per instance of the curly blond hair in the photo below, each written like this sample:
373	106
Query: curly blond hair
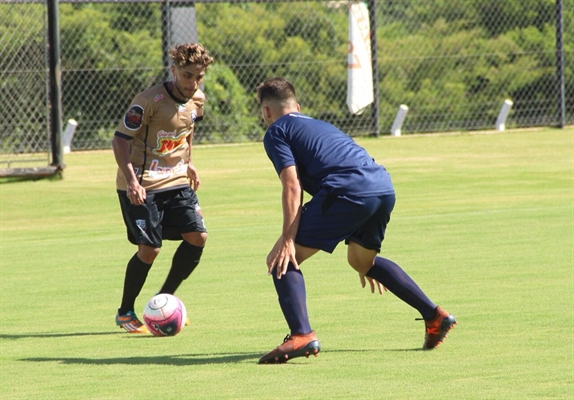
190	53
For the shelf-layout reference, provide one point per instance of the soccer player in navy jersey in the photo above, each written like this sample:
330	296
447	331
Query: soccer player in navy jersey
352	200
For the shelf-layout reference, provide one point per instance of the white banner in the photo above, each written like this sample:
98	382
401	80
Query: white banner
360	72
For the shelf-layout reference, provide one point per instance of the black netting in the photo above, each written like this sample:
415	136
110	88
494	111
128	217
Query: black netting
452	62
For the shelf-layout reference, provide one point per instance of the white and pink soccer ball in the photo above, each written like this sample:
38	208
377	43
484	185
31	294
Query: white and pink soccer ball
164	315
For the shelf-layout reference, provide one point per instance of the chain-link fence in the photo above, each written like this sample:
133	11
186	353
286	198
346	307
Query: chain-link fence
452	62
23	83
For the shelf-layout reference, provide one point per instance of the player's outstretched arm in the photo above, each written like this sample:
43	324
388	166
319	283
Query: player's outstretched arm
284	250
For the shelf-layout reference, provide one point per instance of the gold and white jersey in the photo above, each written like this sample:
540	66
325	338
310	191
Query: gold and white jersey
160	130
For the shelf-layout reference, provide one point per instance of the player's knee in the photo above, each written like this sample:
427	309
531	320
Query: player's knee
196	238
148	254
360	264
362	269
203	238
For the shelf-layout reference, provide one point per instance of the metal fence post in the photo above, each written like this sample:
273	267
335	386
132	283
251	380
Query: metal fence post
560	64
55	74
165	38
375	67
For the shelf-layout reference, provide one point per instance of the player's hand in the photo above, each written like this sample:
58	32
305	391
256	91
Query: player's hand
372	282
193	176
280	256
136	193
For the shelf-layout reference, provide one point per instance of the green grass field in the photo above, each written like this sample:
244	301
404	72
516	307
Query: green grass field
483	223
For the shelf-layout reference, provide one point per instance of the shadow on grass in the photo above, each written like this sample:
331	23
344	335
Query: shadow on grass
415	349
175	360
55	335
370	350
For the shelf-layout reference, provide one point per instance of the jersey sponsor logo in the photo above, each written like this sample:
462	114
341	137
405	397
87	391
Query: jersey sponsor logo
134	118
168	142
157	172
158	97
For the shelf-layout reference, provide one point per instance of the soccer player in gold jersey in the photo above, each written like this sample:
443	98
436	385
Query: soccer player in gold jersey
156	180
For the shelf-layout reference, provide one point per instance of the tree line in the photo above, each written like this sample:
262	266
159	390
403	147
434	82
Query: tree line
450	61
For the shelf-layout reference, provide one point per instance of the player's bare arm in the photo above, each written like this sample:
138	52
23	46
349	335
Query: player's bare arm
284	250
192	173
193	176
199	99
135	192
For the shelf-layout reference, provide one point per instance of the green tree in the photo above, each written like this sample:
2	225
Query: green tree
109	53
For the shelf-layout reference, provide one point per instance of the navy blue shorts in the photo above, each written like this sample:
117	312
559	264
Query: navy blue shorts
328	219
164	216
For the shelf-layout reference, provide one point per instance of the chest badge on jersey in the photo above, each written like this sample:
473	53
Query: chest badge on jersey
134	118
168	142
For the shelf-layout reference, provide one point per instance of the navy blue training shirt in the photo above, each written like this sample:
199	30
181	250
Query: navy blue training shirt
326	158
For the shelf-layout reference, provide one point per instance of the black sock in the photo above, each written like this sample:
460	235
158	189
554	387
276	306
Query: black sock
293	299
401	285
136	274
184	261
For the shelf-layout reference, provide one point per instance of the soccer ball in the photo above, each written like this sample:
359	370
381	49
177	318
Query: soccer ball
164	315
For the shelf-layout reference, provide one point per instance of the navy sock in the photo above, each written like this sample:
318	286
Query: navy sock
401	285
185	259
293	299
136	274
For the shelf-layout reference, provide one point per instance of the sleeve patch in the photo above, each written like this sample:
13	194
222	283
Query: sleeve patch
134	118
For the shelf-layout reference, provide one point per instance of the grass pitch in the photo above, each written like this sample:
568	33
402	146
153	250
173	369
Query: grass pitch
483	223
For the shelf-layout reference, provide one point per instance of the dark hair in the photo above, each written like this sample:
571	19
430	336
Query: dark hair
276	89
183	55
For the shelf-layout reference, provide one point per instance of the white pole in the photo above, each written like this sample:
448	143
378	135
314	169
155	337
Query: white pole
69	135
501	120
359	68
399	119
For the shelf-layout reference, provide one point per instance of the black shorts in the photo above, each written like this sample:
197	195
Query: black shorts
164	216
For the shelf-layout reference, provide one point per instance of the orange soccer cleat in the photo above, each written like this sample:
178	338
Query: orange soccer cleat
437	328
130	323
293	346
